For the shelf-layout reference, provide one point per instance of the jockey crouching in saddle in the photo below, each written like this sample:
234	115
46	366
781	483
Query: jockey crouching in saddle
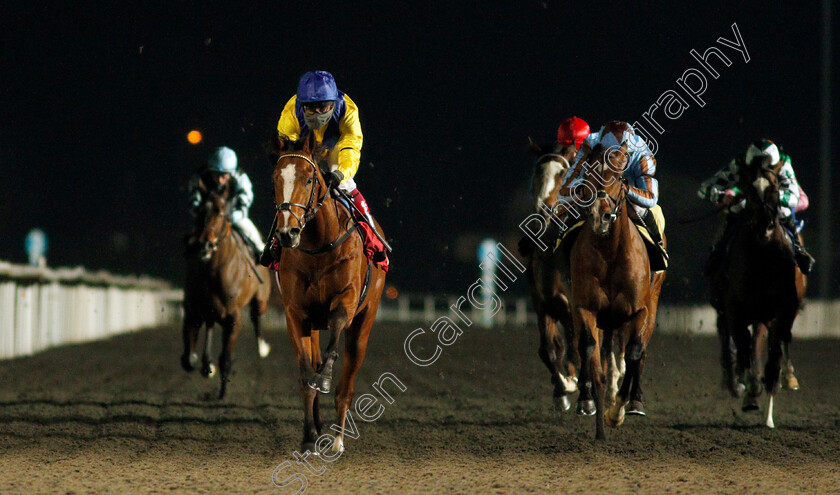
642	187
333	118
222	171
722	189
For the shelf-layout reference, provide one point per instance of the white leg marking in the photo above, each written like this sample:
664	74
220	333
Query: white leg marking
770	423
263	347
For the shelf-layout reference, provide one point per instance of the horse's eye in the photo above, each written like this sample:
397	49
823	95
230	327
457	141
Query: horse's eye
309	181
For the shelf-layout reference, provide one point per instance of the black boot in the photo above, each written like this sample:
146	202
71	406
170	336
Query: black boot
270	253
803	259
652	228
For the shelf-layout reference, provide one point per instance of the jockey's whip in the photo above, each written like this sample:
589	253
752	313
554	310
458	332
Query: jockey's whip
362	214
704	216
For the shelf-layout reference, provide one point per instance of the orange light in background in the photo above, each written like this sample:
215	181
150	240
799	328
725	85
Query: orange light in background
391	292
194	137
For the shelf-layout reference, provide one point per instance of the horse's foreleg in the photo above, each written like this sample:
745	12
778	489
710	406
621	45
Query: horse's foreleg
208	369
190	335
636	332
336	322
779	338
230	332
548	354
302	338
257	309
789	381
355	348
753	379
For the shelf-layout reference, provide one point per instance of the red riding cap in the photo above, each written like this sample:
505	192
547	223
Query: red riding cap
573	130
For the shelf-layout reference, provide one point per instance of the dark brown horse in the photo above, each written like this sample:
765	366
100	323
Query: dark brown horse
221	280
613	289
323	278
759	284
558	345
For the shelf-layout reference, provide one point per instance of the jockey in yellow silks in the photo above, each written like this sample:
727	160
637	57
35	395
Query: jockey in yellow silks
333	119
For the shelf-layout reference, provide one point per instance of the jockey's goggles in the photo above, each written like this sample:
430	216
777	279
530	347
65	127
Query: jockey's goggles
318	107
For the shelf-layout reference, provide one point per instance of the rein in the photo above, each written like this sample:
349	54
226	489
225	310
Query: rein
308	211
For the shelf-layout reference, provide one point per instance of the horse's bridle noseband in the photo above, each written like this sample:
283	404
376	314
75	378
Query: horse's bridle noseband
617	204
308	210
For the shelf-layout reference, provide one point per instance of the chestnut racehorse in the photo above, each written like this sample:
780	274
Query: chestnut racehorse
612	290
558	345
759	284
323	275
221	280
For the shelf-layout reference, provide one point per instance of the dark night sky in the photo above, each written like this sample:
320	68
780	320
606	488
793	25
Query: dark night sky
97	102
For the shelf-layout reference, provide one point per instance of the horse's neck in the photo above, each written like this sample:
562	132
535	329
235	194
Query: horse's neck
324	227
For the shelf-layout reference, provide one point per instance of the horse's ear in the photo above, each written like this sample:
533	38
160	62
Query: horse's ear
275	146
202	187
308	142
534	147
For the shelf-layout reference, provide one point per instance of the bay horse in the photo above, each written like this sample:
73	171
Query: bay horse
612	289
548	290
326	282
758	284
221	279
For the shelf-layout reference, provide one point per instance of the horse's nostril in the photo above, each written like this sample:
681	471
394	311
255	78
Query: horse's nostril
294	232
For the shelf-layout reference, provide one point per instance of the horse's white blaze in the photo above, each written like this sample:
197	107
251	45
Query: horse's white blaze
770	423
288	174
760	185
550	170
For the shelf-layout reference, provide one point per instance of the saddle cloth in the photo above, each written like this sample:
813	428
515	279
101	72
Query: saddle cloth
657	254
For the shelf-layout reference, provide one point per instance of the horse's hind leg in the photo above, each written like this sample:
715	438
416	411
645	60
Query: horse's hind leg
257	309
190	334
789	381
637	335
231	326
208	369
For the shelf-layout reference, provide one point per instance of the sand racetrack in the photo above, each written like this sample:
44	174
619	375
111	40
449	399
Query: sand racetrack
120	416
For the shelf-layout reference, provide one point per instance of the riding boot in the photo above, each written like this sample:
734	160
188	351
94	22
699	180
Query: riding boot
652	228
802	257
362	213
270	253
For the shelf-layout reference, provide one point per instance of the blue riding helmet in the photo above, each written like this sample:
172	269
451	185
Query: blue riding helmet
223	160
317	86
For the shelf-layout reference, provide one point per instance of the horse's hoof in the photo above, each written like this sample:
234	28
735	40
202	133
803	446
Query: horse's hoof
326	384
188	362
737	390
614	416
750	404
585	408
308	446
208	370
263	348
562	403
790	383
636	408
315	382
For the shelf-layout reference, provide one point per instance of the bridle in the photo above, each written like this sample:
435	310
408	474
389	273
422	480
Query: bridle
616	204
211	246
310	208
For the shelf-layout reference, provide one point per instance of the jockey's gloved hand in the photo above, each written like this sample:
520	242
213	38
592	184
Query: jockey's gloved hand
333	178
